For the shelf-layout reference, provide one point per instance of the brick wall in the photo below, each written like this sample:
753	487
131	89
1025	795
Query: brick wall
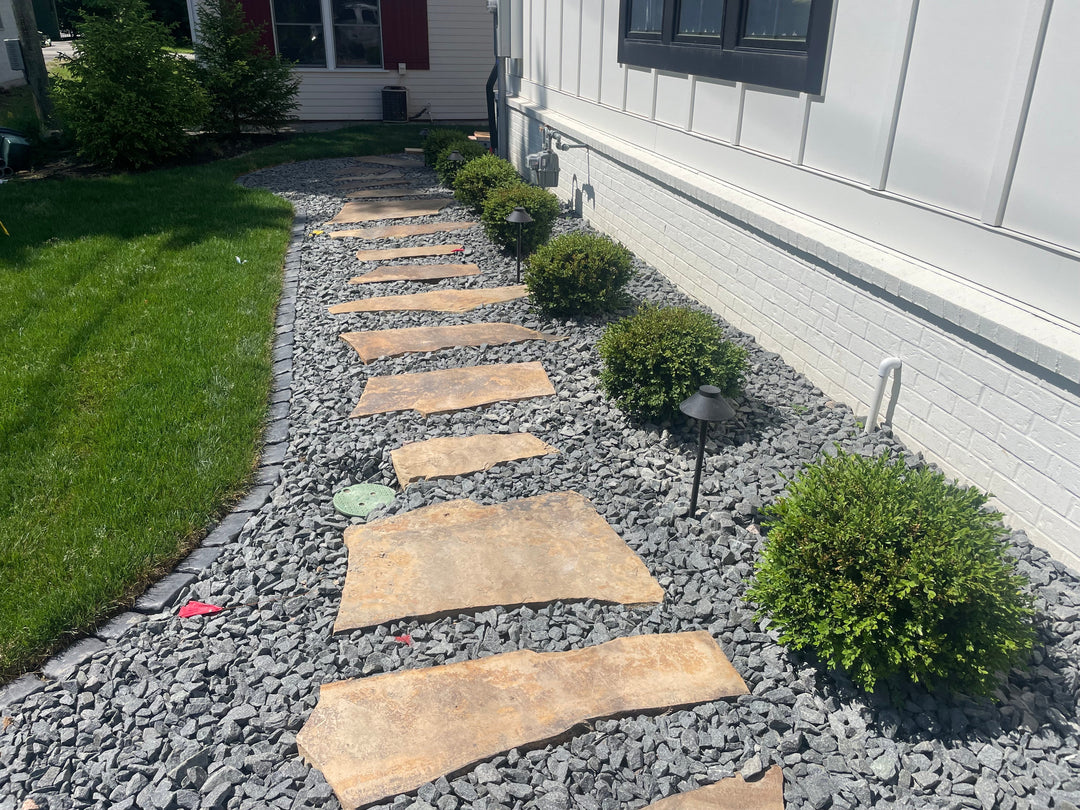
1007	428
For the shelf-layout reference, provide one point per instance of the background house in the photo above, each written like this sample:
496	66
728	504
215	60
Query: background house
348	50
8	30
848	181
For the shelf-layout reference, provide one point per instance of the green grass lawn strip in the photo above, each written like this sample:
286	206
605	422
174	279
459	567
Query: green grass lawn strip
135	371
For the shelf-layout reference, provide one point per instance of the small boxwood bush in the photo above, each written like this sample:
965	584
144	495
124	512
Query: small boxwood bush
439	139
881	569
578	273
448	169
655	359
542	205
478	177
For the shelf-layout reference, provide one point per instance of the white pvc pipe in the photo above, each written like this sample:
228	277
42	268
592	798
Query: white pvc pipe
895	365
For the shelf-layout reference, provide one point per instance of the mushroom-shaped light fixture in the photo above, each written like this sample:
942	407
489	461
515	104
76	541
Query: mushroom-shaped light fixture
706	406
520	216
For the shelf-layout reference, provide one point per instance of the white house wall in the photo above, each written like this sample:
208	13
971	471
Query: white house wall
923	206
8	30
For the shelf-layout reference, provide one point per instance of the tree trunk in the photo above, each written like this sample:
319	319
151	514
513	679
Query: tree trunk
36	75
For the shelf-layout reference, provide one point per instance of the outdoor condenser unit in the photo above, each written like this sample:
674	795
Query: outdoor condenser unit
395	103
545	168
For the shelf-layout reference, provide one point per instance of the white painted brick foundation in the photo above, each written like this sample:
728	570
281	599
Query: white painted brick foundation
982	419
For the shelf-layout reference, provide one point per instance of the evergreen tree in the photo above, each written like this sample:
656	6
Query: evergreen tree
247	85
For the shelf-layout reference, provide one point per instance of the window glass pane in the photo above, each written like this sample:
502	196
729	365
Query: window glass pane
302	44
701	17
357	33
777	19
646	16
297	11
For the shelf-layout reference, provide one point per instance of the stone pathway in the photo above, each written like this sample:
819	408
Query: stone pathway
394	342
386	254
449	456
360	211
437	301
393	231
416	272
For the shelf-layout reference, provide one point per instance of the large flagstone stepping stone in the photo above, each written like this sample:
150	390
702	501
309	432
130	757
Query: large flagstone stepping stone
386	254
369	184
351	175
766	793
361	211
396	162
460	455
434	301
416	272
461	556
375	193
394	231
377	737
454	389
393	342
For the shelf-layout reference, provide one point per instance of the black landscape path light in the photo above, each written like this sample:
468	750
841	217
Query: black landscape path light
522	218
456	157
706	406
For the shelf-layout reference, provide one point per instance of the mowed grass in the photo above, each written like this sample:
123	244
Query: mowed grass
134	375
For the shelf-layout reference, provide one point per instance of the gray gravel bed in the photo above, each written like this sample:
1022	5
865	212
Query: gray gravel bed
203	713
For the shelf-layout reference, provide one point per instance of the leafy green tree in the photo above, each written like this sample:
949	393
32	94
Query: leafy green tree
128	101
247	85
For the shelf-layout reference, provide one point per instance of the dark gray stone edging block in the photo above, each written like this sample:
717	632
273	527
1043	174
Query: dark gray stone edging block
119	625
63	666
278	410
164	593
283	366
277	431
19	689
282	353
253	500
228	530
273	454
283	379
199	560
269	474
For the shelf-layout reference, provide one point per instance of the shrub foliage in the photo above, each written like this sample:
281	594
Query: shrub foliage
247	86
542	205
655	359
439	139
478	177
448	169
578	273
128	100
882	569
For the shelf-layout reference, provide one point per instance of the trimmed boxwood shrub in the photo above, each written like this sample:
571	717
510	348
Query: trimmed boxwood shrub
578	273
448	169
439	139
655	359
478	177
882	570
542	205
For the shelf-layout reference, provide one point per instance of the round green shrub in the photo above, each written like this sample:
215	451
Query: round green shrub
655	359
439	139
578	273
447	169
542	205
478	177
881	569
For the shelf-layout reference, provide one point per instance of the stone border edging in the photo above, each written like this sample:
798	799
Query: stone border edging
165	592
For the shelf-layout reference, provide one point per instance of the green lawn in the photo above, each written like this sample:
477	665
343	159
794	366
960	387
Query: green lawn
134	375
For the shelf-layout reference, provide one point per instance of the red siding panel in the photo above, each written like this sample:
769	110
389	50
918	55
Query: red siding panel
258	13
405	34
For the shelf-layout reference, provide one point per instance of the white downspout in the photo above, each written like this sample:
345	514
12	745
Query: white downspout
895	365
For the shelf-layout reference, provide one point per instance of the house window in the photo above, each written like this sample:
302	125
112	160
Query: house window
299	28
357	33
775	43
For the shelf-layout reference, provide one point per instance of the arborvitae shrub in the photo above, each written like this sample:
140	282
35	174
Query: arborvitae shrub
439	139
447	169
578	273
129	100
542	205
478	177
655	359
883	570
246	84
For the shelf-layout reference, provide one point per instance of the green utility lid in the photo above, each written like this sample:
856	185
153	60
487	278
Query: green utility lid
359	499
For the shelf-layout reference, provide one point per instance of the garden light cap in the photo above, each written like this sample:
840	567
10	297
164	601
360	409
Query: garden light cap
707	405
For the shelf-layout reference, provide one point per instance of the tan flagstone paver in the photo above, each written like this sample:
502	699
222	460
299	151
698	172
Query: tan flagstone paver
393	342
375	193
386	254
373	183
461	556
434	301
392	231
766	793
363	211
454	389
352	174
448	456
416	272
380	736
396	162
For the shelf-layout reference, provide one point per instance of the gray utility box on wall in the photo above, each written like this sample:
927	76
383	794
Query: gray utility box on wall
395	103
545	168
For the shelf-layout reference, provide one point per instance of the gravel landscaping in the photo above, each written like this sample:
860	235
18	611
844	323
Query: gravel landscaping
203	712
